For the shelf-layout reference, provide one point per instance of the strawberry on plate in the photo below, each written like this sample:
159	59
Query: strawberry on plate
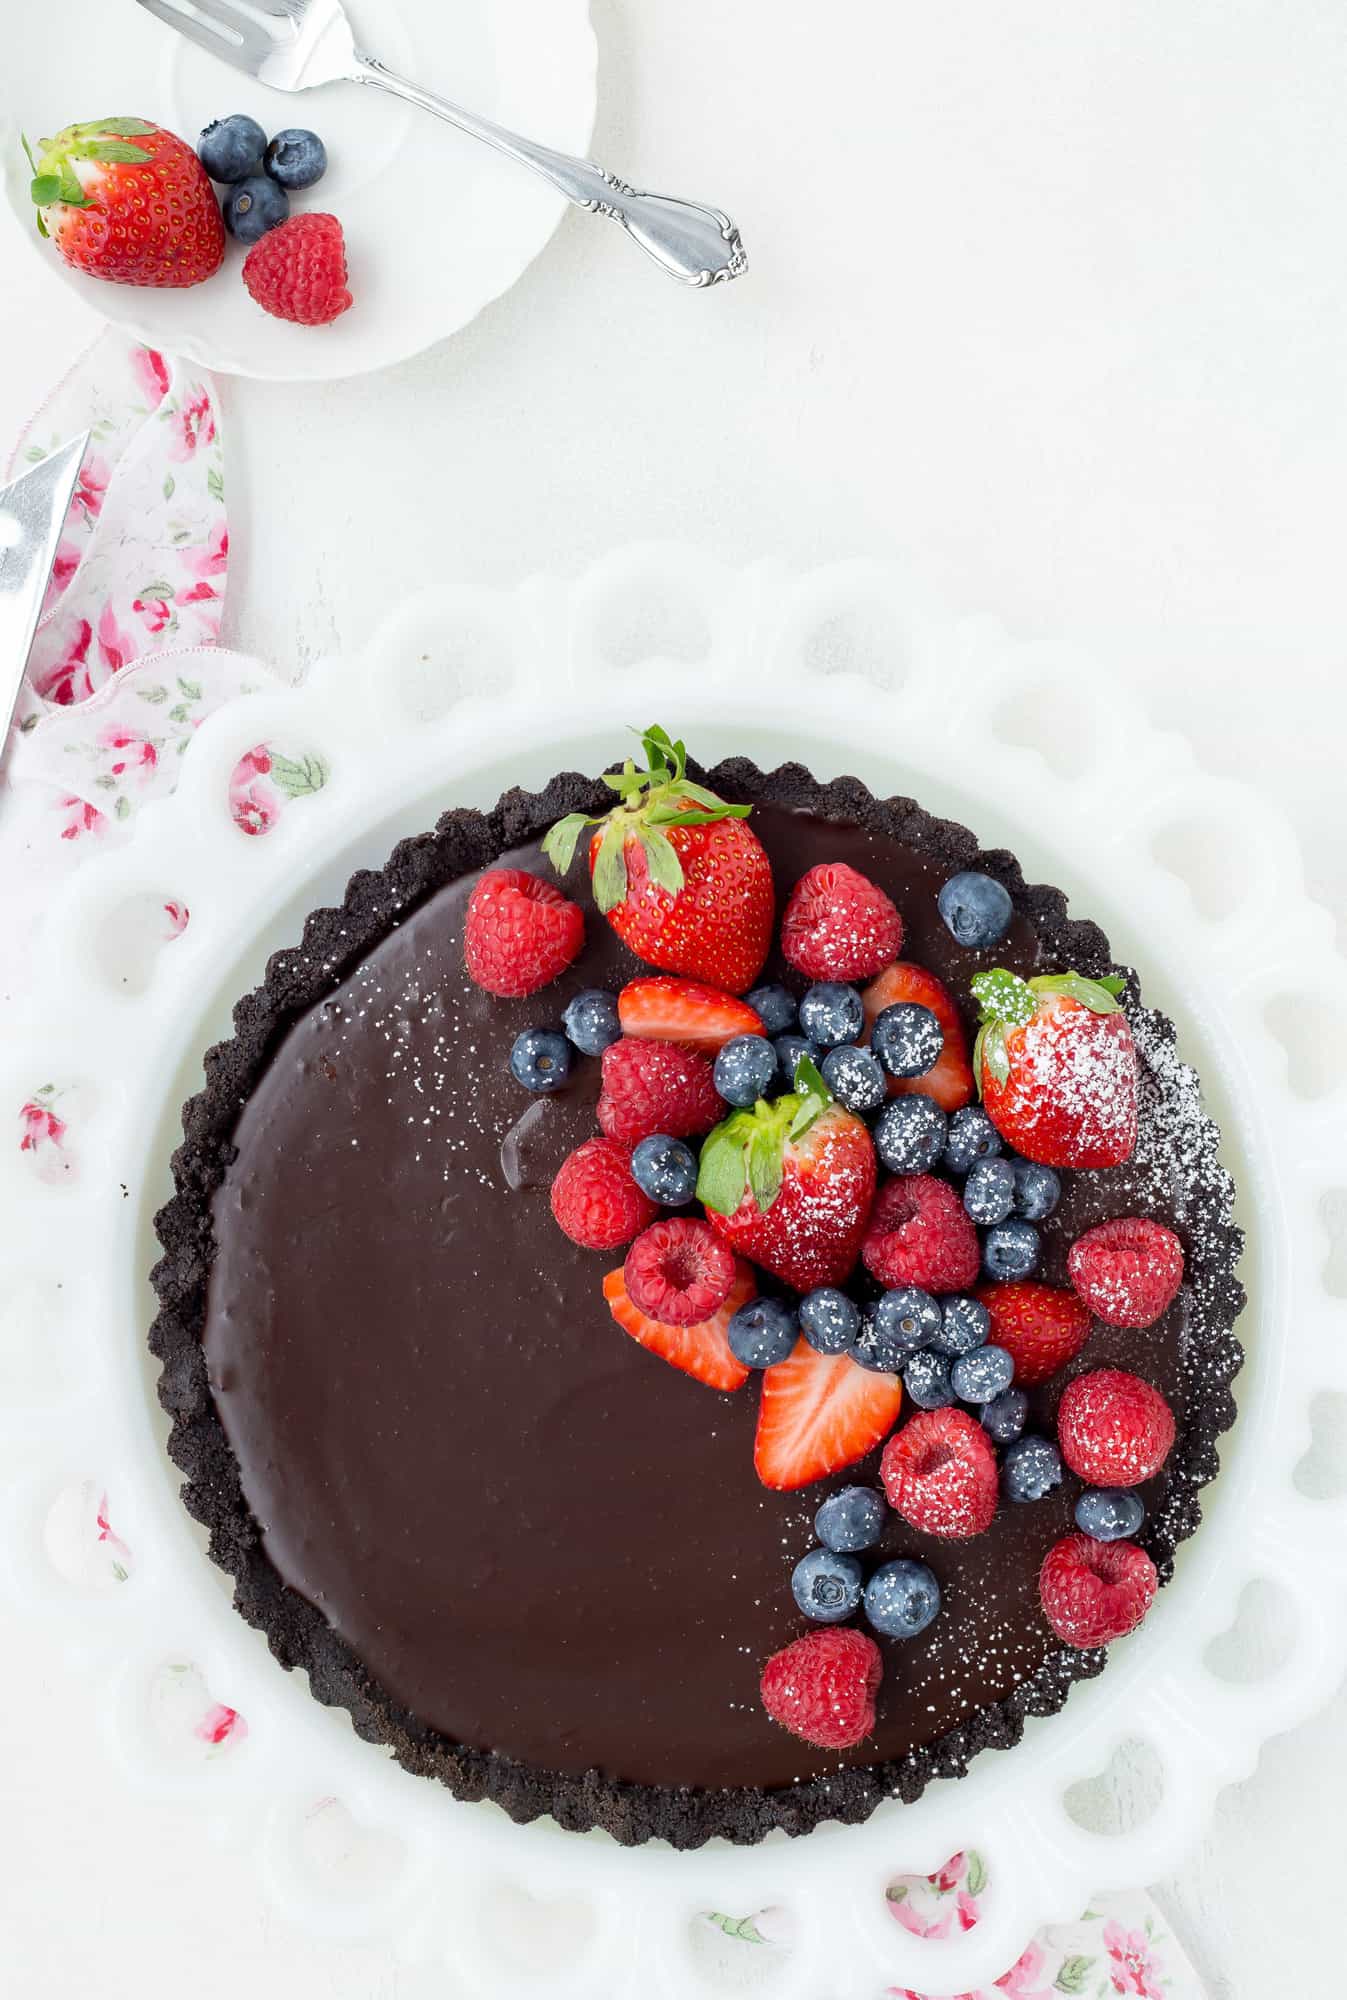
124	200
696	1017
680	876
1057	1068
702	1349
789	1183
820	1412
838	924
950	1083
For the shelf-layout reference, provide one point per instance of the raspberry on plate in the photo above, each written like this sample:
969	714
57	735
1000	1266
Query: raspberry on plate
839	925
298	271
653	1087
1127	1271
1114	1429
1095	1592
678	1271
822	1687
919	1234
594	1198
939	1473
1040	1327
519	933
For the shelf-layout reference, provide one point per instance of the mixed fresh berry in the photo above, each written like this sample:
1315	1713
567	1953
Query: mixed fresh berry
596	1201
1128	1272
520	933
253	207
1095	1592
231	149
1057	1068
296	159
298	271
651	1087
838	925
822	1687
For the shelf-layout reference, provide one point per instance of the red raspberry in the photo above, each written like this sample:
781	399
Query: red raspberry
679	1272
939	1472
839	925
595	1199
1127	1271
920	1235
1040	1327
298	270
822	1687
1094	1592
1114	1429
654	1087
520	932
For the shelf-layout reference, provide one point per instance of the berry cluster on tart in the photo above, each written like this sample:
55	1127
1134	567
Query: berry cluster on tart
798	1094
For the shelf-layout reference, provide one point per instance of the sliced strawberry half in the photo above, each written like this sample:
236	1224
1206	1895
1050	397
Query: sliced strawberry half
696	1017
818	1413
950	1083
701	1349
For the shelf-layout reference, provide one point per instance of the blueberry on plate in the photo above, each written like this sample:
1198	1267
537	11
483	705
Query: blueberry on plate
908	1039
775	1008
972	1136
1031	1468
1005	1416
894	1327
1037	1190
989	1191
851	1519
910	1134
789	1049
665	1169
902	1598
296	159
230	149
745	1069
762	1333
254	207
1109	1513
980	1377
855	1079
976	909
591	1021
831	1013
540	1059
829	1320
926	1378
1010	1251
826	1585
964	1324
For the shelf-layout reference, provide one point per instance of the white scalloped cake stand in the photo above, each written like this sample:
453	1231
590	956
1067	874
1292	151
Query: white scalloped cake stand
462	694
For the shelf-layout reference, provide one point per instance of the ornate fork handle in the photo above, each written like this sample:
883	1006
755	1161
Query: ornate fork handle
693	243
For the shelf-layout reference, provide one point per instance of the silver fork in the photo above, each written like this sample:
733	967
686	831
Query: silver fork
299	44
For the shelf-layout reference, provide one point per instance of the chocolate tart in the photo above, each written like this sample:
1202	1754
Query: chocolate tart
523	1553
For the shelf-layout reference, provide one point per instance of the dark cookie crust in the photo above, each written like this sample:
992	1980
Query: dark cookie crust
333	941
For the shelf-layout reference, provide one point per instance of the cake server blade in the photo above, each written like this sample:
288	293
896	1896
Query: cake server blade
32	514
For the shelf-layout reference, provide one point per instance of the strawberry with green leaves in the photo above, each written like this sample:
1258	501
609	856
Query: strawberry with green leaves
789	1184
680	876
123	199
1057	1067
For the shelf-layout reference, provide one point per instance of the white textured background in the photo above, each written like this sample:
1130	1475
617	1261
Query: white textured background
1051	300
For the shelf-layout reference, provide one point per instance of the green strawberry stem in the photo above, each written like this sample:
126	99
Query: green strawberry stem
103	139
744	1154
660	796
1007	1002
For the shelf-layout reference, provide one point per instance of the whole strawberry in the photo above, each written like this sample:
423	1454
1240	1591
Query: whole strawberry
124	200
1057	1069
1041	1328
677	872
789	1184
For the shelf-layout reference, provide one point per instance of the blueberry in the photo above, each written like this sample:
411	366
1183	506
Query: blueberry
910	1134
591	1021
902	1598
829	1320
894	1327
826	1585
1005	1416
989	1191
1109	1514
745	1069
540	1059
254	207
665	1169
980	1377
908	1039
762	1333
1031	1468
1010	1251
789	1049
231	148
964	1325
775	1008
851	1519
1037	1190
831	1014
976	909
296	158
926	1380
855	1079
972	1136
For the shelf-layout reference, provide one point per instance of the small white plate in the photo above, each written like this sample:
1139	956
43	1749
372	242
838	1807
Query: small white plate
436	225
